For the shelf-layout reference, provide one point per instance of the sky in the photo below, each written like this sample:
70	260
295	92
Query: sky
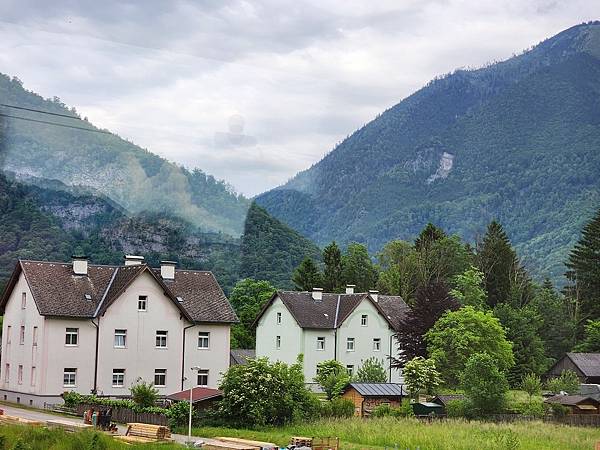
253	92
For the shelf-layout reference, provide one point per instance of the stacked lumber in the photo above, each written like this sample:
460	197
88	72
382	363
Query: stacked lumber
299	441
67	425
257	444
14	420
223	445
145	432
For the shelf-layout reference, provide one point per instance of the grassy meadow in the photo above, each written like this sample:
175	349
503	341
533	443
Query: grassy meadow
412	434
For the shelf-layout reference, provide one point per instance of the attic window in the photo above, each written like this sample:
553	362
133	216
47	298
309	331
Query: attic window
88	297
180	299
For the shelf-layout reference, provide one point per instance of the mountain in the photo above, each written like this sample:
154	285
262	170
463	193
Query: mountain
270	250
130	176
516	140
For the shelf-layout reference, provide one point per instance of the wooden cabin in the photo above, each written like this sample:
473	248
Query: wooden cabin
367	396
578	404
585	365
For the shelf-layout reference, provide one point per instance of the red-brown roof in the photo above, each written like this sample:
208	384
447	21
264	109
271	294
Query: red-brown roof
199	394
57	291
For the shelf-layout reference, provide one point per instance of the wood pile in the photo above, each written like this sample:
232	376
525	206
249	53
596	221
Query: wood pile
298	441
13	420
145	432
257	444
228	445
67	425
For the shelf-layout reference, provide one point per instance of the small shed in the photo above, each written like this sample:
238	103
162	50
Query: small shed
445	399
578	404
585	365
367	396
427	409
202	397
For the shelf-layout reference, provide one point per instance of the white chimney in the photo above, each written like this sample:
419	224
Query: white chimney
317	294
80	265
350	288
167	270
374	294
133	260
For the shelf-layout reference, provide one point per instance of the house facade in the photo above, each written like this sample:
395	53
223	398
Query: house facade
349	328
99	329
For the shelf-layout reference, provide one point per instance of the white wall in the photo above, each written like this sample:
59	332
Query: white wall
292	342
312	356
215	358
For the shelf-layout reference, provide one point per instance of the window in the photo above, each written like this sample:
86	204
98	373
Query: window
118	379
8	328
35	335
33	376
161	338
22	335
364	320
203	377
6	373
69	377
142	303
350	369
23	300
203	339
160	377
278	318
71	336
277	342
350	344
20	374
120	338
320	343
377	344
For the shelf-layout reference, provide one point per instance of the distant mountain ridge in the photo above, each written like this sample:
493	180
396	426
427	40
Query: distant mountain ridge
134	178
517	140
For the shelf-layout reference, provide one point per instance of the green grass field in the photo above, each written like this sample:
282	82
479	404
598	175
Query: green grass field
412	434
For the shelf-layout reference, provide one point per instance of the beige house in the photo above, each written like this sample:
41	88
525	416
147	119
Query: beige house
349	328
98	329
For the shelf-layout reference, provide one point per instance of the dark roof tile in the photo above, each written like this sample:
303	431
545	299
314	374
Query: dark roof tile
380	389
588	363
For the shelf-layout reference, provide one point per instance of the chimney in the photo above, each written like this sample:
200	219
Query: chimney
133	260
350	288
374	294
167	270
317	294
80	265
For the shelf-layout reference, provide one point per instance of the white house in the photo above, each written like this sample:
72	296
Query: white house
349	328
98	329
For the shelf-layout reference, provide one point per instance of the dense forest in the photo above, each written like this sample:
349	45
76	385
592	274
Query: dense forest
516	141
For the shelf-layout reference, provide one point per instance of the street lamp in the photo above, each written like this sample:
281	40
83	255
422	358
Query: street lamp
196	368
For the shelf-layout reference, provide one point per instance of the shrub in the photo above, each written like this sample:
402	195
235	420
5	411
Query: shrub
484	384
178	414
558	410
456	408
72	399
534	408
371	371
338	407
384	410
332	377
406	409
144	394
567	381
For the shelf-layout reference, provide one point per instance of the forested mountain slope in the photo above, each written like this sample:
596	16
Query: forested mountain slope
518	141
134	178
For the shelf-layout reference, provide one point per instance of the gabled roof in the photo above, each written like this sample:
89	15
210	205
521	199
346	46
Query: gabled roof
571	400
444	399
57	291
199	394
333	309
588	363
379	389
241	356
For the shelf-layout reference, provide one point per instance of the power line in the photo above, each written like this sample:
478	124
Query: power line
40	111
55	124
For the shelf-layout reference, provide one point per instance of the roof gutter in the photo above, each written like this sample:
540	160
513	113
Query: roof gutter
97	325
335	328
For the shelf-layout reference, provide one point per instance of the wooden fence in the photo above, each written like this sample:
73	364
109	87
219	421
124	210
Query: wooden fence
125	415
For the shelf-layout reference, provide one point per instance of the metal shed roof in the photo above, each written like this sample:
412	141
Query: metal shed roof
380	389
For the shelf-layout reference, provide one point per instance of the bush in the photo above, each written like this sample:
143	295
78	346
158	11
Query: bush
568	381
534	408
484	384
72	399
456	408
406	409
558	410
144	394
179	413
338	407
384	410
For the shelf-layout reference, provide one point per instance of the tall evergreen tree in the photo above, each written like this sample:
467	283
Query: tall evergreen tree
307	275
358	268
505	279
332	274
429	234
584	273
431	302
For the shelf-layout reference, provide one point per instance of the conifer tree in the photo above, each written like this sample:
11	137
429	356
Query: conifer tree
358	269
307	275
428	235
332	274
584	272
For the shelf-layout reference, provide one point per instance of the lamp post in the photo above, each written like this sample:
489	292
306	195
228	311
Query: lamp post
196	368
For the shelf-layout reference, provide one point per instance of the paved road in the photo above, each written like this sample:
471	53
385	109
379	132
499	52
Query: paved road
43	416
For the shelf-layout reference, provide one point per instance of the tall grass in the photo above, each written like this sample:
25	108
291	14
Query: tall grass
38	438
389	432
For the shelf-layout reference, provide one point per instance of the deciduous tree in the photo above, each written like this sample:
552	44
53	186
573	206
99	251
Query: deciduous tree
484	383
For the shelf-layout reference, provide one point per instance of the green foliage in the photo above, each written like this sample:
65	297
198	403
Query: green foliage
533	408
484	383
337	407
307	275
468	289
20	445
567	381
421	376
458	335
144	394
333	377
270	250
72	399
385	410
179	414
247	299
459	408
265	393
558	410
371	371
591	338
332	274
358	268
532	384
584	272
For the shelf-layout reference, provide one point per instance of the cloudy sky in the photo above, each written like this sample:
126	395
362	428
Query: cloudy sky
253	92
